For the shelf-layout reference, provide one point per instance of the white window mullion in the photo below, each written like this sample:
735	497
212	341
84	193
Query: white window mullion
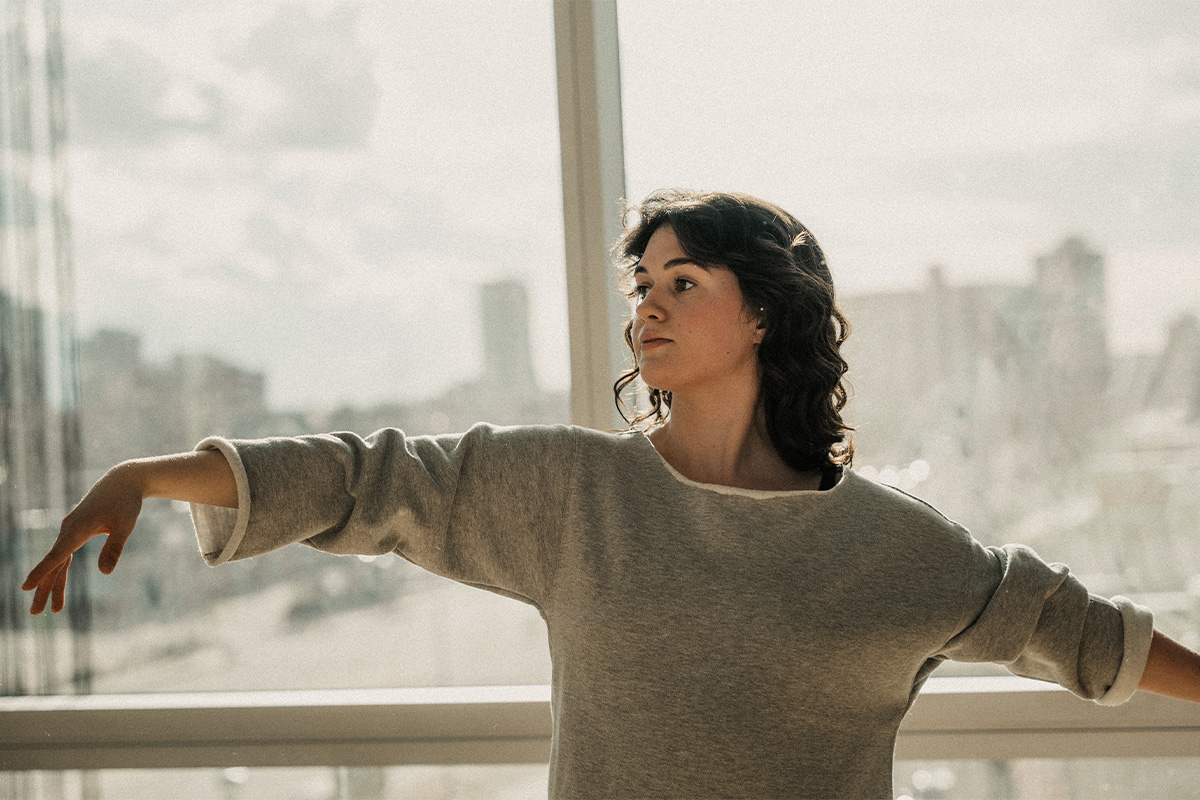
593	177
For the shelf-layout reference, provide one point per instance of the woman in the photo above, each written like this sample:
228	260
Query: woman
731	611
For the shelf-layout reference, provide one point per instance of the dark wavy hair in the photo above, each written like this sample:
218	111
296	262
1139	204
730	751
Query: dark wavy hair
781	270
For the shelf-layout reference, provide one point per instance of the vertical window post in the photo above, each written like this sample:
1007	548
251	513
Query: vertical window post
593	177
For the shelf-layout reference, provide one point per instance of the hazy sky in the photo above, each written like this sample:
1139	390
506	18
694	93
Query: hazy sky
973	134
317	189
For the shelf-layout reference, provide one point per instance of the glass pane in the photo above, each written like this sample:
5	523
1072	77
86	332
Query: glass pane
1049	779
1020	779
294	218
458	782
1007	195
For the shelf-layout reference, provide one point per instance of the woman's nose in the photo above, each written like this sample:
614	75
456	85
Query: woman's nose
648	307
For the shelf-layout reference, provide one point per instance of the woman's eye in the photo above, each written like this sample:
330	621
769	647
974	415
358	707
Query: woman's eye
683	284
639	291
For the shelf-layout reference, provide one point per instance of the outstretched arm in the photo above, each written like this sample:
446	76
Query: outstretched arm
1172	670
111	508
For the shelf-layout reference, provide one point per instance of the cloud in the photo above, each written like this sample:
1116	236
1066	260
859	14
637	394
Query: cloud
122	96
308	82
301	79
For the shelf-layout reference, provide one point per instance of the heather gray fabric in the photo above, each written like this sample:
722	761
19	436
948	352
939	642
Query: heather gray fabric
706	641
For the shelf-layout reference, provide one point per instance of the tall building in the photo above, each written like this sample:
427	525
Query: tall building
934	372
984	380
505	392
1027	428
507	349
1175	381
1070	345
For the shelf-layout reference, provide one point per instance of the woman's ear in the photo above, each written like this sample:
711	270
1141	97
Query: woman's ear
760	330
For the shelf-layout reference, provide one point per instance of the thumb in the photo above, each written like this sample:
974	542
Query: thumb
110	554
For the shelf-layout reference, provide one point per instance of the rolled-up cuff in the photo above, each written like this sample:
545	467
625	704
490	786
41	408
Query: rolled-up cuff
1139	631
219	531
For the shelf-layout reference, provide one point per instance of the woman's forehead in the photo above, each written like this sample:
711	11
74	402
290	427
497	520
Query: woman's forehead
663	242
664	251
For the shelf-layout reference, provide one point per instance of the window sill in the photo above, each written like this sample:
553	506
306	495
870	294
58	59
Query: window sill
976	717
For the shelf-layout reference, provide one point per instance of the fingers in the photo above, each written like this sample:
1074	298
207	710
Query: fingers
52	584
58	595
39	597
71	537
47	567
48	578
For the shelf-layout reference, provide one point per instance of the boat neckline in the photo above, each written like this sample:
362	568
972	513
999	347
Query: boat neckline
721	488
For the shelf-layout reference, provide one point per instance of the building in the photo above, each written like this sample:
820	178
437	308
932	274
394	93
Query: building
1028	428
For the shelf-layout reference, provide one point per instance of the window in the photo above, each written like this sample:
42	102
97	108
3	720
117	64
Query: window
287	219
1006	196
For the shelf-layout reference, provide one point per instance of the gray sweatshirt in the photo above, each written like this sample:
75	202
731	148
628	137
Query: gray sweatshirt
706	641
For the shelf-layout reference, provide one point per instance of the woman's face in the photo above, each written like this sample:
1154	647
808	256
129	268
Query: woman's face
691	329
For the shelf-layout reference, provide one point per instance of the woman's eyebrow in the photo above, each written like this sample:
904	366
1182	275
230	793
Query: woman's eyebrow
674	262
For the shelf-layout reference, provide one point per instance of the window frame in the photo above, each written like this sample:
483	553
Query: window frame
993	718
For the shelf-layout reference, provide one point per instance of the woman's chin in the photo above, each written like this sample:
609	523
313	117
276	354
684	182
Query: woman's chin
655	380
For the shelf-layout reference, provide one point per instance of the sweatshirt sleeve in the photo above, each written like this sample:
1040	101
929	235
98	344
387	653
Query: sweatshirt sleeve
1040	622
483	508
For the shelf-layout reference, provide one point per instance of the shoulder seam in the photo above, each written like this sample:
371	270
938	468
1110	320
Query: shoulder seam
932	508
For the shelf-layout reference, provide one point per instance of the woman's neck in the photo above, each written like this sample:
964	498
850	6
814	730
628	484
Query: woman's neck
725	443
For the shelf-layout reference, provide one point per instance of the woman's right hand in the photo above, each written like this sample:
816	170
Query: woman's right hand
111	508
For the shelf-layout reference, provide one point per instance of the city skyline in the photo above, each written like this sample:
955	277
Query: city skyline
493	354
507	345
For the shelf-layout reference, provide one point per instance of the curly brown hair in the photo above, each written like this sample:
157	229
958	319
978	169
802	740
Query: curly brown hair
781	270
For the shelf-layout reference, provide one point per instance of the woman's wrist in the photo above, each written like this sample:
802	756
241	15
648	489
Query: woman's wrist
193	477
173	477
136	475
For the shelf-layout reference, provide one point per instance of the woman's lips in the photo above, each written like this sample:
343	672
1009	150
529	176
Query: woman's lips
652	342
